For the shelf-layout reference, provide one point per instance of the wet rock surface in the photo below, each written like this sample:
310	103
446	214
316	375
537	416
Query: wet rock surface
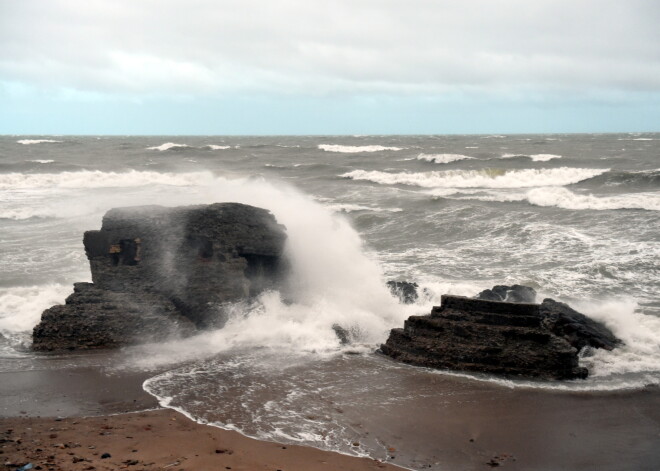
510	294
159	272
511	339
406	291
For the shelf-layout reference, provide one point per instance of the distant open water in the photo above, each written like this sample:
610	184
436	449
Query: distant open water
575	216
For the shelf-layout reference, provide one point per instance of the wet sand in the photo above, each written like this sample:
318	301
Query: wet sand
155	440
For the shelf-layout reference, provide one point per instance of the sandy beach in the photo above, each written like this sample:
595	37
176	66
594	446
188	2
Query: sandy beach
154	440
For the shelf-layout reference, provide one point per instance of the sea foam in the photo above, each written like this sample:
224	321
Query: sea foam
562	198
168	146
534	157
443	158
21	306
354	149
487	178
99	179
36	141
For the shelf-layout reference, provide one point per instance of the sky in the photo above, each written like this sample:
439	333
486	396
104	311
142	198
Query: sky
232	67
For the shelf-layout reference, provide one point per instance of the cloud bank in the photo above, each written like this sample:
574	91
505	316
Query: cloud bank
511	50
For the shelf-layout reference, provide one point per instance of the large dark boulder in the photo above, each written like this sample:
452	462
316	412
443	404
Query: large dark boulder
159	272
511	339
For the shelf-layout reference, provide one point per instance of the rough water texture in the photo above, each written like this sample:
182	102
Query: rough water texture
497	337
159	272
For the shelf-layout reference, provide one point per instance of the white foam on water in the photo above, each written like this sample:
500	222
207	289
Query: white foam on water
355	149
99	179
349	208
217	147
168	146
487	178
443	158
21	308
534	157
564	198
36	141
40	161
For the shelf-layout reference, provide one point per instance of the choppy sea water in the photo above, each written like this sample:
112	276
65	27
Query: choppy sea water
575	216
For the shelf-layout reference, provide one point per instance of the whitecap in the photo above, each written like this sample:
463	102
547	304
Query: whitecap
99	179
217	147
534	157
354	149
564	198
560	198
167	146
487	178
41	161
443	158
36	141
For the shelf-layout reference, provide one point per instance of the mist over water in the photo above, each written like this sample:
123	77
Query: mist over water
575	217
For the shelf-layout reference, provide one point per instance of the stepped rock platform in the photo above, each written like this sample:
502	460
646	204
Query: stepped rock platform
504	338
159	272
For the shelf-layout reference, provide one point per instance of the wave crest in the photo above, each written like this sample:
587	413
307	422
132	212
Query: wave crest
443	158
487	178
99	179
26	142
354	149
534	157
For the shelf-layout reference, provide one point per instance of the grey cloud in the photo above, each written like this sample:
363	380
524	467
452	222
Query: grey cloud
202	47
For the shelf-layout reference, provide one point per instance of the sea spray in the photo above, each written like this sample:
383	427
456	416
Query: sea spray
21	308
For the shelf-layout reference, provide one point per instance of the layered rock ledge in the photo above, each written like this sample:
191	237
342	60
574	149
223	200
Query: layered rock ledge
158	272
511	339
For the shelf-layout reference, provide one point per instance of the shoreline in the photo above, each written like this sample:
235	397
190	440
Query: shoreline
457	423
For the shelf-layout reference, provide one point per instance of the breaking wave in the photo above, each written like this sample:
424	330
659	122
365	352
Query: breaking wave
36	141
354	149
168	146
99	179
564	198
21	307
639	179
487	178
534	157
41	161
175	146
443	158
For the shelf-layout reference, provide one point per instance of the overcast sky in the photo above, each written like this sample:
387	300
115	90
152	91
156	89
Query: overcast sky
328	67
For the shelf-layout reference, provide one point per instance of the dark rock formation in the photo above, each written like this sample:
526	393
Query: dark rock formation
579	330
159	271
513	339
509	294
404	290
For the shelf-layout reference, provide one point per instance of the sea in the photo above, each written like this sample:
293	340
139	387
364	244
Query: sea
575	216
